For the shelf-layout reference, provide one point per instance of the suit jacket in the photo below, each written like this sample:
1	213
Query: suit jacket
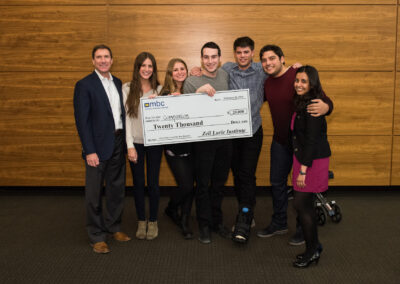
93	116
309	138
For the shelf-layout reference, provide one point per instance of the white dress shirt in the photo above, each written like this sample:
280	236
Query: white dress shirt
113	98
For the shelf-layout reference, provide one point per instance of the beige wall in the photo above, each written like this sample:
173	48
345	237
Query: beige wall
45	49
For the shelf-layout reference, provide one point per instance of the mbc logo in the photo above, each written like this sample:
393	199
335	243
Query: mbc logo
154	104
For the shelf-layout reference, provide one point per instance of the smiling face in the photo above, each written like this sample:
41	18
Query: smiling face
146	69
102	61
210	61
302	84
179	72
244	57
272	64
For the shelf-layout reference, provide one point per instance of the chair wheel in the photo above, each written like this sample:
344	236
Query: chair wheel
321	218
337	217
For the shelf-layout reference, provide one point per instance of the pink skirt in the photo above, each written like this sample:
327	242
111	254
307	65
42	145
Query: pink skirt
317	175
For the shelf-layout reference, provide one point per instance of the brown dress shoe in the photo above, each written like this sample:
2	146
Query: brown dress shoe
100	247
121	237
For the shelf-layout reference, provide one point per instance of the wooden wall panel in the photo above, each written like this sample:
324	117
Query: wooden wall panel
50	38
46	160
398	41
361	105
396	161
330	45
52	2
38	103
396	116
361	160
39	144
38	173
241	2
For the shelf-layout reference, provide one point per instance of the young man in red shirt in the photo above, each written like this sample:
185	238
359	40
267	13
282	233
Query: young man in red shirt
279	92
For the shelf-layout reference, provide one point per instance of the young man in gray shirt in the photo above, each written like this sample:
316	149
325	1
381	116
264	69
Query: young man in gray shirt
212	158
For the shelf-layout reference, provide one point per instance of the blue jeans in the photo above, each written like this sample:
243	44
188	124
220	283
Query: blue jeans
281	164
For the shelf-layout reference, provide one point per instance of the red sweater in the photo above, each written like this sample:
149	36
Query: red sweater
279	93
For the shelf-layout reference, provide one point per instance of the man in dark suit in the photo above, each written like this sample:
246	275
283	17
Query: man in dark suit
100	121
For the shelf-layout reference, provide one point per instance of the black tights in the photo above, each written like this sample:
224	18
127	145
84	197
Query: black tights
304	205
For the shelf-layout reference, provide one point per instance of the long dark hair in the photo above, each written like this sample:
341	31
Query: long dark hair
135	90
315	92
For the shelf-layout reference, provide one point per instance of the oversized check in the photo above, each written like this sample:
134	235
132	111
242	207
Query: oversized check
196	117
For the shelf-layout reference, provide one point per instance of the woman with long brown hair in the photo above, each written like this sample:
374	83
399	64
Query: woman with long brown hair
144	84
179	156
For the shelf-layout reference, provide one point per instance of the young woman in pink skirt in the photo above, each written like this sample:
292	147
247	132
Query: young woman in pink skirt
311	153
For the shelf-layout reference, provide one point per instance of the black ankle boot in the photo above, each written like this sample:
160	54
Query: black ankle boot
186	230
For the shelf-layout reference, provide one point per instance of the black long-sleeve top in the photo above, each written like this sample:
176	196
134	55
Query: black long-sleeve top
309	138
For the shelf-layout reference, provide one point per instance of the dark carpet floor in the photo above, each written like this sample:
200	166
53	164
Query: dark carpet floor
43	240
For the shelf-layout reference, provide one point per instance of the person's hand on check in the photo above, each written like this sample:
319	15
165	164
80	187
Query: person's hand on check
152	96
208	89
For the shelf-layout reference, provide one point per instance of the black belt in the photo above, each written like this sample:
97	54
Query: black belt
119	132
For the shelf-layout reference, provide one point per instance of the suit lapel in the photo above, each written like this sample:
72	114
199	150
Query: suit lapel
100	91
119	89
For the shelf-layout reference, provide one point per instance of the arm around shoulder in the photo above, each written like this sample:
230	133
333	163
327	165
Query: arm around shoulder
228	66
320	107
328	101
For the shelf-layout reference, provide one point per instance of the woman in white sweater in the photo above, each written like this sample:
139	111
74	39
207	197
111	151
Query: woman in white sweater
144	84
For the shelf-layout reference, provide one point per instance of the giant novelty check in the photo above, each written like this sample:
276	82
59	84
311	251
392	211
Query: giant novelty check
196	117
